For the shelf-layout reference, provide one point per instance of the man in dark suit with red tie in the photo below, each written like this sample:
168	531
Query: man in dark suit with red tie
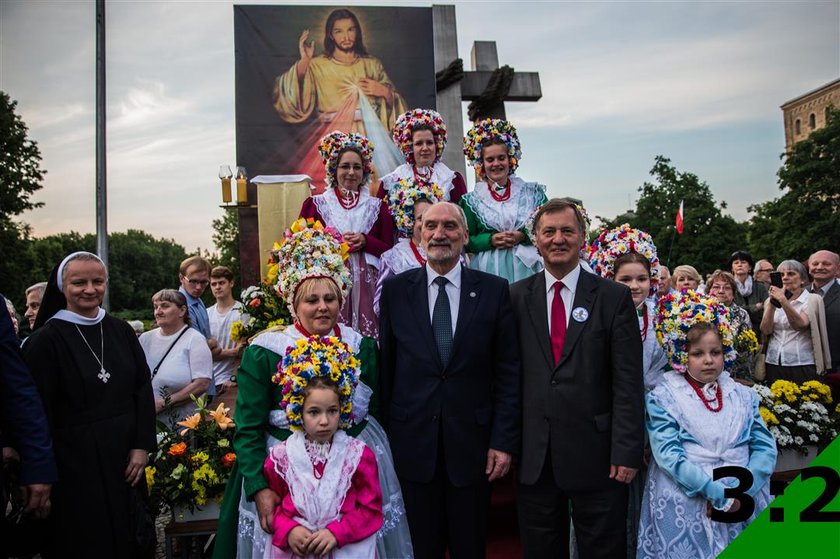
582	397
450	389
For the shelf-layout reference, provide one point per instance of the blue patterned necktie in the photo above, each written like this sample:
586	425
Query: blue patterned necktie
442	321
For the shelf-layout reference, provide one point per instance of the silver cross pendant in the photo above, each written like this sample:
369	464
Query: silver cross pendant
104	375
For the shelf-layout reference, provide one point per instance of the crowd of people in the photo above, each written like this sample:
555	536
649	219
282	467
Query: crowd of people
441	339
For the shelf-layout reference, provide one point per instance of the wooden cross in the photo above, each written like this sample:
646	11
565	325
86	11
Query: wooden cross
525	86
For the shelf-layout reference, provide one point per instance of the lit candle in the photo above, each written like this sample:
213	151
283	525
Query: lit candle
241	186
225	175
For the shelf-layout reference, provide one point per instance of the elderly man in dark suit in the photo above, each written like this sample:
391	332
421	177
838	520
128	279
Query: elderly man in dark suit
23	425
450	389
582	397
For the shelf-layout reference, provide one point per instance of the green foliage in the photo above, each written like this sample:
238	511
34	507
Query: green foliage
20	163
226	238
709	236
139	265
806	218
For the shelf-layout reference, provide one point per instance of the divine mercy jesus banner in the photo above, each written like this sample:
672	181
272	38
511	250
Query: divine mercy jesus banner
304	71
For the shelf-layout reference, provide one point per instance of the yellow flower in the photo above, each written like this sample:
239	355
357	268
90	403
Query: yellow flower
199	457
190	423
150	477
769	418
221	417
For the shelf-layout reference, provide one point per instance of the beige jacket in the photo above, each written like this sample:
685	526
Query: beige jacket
819	333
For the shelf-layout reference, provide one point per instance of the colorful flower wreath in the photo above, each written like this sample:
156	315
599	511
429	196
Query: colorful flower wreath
309	250
326	357
333	143
404	130
482	133
401	198
678	312
610	244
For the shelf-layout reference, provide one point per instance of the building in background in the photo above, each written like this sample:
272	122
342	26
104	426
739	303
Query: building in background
809	112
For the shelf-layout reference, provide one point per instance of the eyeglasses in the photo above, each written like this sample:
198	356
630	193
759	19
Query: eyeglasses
198	282
764	270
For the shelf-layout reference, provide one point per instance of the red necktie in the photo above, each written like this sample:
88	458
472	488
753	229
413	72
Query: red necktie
558	322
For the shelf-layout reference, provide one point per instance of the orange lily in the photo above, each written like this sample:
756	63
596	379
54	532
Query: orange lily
190	423
221	417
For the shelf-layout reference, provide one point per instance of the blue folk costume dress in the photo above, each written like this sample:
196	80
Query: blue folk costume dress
688	442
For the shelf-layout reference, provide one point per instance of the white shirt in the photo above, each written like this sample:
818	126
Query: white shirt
220	330
570	281
789	347
453	290
189	359
824	289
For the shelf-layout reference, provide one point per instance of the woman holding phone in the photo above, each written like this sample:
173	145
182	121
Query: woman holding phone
794	323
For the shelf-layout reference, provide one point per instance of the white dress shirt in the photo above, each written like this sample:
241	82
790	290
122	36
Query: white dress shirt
453	290
570	281
789	347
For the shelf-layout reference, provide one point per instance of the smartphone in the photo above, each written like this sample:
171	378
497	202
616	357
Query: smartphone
776	281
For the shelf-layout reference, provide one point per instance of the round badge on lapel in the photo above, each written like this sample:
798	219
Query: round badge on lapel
580	314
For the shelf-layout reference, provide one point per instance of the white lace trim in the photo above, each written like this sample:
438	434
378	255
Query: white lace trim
511	214
441	174
358	219
279	340
401	258
318	501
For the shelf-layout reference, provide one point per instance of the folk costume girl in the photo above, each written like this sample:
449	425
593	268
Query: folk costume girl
699	419
628	256
407	200
361	219
330	499
314	280
500	205
420	134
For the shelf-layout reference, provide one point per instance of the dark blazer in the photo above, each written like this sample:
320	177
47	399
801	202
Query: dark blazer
22	420
465	406
831	301
588	411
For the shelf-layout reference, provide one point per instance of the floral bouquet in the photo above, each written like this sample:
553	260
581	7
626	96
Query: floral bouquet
264	307
797	414
192	464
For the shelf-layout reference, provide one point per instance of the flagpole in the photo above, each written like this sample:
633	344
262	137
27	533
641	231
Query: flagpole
671	247
101	167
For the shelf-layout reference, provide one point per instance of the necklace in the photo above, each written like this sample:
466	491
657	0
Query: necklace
707	401
422	172
500	197
416	252
643	313
308	334
347	198
103	374
318	455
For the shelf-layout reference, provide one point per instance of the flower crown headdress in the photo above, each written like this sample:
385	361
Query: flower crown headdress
309	250
678	312
401	199
485	131
610	244
404	130
307	360
334	142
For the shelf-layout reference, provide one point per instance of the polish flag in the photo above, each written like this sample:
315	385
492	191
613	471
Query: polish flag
680	219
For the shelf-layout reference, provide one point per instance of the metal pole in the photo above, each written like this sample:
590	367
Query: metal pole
101	168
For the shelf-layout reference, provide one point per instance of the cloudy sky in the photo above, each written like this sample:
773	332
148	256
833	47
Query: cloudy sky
698	82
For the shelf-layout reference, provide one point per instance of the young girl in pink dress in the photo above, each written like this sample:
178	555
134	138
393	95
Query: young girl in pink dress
328	484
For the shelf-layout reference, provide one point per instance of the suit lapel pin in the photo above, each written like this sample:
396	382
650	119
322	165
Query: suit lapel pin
580	314
472	294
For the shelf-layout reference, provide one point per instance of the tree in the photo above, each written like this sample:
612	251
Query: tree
709	236
20	163
226	238
20	177
806	217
